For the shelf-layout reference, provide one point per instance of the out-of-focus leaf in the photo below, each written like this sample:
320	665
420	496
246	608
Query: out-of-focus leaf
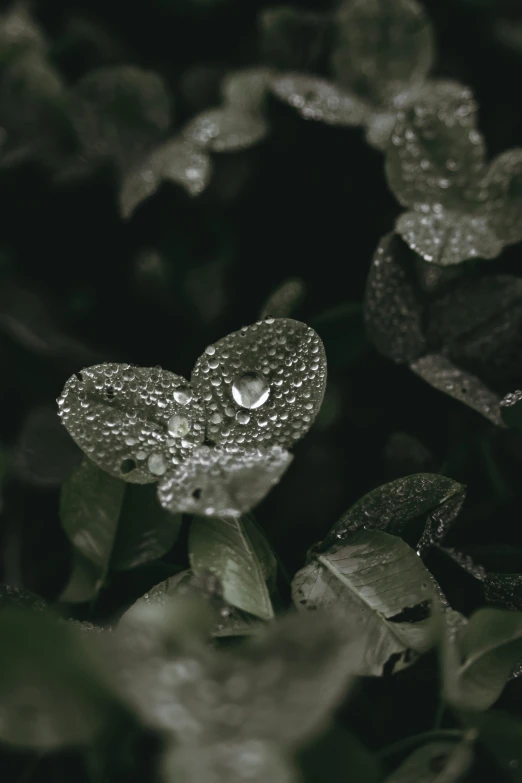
478	661
404	454
318	99
394	506
16	597
292	39
226	129
338	750
378	577
504	590
233	550
284	299
342	332
175	161
246	89
264	384
133	422
503	184
443	375
384	49
393	312
19	32
436	762
216	483
51	689
500	735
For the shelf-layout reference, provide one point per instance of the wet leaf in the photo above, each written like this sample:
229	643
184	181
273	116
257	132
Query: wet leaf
112	525
393	313
233	550
317	99
504	590
293	39
226	129
119	112
51	689
175	161
396	505
436	762
384	49
18	598
264	384
246	89
216	483
443	375
378	577
478	662
448	237
133	422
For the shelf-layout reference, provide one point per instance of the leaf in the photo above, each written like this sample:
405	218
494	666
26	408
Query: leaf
16	597
246	90
384	49
226	129
378	577
264	384
216	483
227	548
392	311
293	39
284	299
175	161
437	155
504	590
334	752
19	31
112	525
119	112
500	735
394	506
379	128
436	762
511	410
133	422
478	663
443	375
319	100
52	691
448	237
503	184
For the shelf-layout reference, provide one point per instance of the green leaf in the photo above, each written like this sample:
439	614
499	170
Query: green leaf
448	237
133	422
264	384
478	661
503	184
217	483
52	690
384	49
293	39
112	526
233	550
436	762
443	375
504	590
176	161
318	99
392	312
437	155
226	129
394	506
378	577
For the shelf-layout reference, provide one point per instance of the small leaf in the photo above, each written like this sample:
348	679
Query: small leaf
293	39
443	375
478	663
378	577
133	422
504	590
448	237
503	184
216	483
393	313
175	161
436	762
264	384
394	506
284	299
226	129
246	90
227	548
437	155
318	99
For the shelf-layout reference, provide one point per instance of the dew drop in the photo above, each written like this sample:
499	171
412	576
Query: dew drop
250	390
183	395
178	425
157	464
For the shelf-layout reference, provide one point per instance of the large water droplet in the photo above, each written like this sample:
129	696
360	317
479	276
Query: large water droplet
157	464
178	425
250	390
183	395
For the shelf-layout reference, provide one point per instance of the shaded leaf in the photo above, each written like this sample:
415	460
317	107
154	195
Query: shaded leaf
503	183
384	49
504	590
338	750
317	99
293	39
175	161
500	735
284	299
19	31
378	577
443	375
216	483
226	129
133	422
392	311
18	598
264	384
343	334
227	548
436	762
394	506
246	89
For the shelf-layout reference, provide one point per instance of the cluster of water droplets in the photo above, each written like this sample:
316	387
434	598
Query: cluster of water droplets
320	100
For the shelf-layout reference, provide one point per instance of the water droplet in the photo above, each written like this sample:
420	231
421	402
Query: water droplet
183	395
178	425
157	464
250	390
242	417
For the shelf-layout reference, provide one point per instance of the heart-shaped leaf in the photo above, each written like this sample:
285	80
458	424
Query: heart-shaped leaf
262	385
133	422
226	129
318	99
234	551
379	578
